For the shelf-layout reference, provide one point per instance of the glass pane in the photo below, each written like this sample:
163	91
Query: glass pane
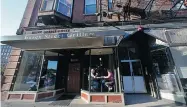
165	71
28	75
125	69
90	9
65	7
137	69
47	5
90	2
48	78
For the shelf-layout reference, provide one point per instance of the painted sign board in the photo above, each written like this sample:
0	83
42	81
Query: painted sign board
59	36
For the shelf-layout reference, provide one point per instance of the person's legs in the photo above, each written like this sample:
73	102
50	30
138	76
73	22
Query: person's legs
95	85
109	85
103	83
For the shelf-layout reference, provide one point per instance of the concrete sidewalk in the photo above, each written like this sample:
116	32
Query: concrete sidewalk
46	104
131	101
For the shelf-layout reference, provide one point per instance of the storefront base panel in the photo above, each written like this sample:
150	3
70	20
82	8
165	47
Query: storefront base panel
102	98
179	97
21	96
32	96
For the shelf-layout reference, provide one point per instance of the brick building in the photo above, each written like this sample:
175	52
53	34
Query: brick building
5	53
59	42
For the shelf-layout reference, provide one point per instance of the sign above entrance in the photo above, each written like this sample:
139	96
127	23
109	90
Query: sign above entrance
47	31
59	36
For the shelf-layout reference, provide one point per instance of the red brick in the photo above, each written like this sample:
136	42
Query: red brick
85	96
45	95
28	96
5	87
97	98
14	58
8	79
14	96
114	99
9	72
12	65
15	52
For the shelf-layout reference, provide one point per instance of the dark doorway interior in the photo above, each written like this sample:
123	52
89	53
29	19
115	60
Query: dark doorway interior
141	42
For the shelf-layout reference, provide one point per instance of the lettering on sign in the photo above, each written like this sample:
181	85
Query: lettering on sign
61	35
37	37
81	34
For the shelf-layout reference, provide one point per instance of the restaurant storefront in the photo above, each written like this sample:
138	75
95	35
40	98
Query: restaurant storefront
59	63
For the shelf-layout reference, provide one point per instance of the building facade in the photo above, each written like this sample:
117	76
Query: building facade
5	53
60	42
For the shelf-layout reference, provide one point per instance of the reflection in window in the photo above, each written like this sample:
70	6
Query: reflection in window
109	5
48	78
47	5
28	75
90	6
164	69
179	4
102	78
65	7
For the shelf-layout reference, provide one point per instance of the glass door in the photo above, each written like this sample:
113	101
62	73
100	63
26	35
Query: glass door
127	77
138	77
133	79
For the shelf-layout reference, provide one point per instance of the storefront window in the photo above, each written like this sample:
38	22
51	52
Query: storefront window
165	70
49	71
100	74
28	75
49	78
179	55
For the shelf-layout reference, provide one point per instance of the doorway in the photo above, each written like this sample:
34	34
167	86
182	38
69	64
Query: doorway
133	78
73	80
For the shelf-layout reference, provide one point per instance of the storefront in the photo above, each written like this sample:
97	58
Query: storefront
62	63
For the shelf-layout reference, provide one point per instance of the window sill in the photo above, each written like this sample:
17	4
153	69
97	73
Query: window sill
89	14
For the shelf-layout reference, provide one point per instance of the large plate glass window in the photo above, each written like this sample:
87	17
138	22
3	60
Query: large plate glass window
29	71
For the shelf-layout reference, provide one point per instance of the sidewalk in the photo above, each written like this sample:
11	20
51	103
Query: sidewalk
131	101
46	104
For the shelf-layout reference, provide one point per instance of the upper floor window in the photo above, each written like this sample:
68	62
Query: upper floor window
109	5
65	7
90	6
47	5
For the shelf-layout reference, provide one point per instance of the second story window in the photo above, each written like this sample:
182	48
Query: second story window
65	7
90	7
47	5
109	5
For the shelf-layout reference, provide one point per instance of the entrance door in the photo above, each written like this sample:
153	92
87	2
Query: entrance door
133	79
73	83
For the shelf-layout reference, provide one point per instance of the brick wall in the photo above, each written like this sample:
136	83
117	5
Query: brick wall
10	71
78	13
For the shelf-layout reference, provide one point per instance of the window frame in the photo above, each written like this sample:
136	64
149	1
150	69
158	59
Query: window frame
47	10
91	4
71	8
